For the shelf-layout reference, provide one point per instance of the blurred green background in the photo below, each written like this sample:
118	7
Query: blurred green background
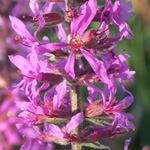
139	50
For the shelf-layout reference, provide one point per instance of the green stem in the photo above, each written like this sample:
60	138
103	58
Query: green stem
75	89
75	105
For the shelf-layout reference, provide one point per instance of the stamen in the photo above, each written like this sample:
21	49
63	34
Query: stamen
122	106
29	77
52	114
110	24
114	76
34	19
73	138
17	38
76	43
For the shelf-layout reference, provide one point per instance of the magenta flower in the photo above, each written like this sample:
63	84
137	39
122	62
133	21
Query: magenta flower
116	66
7	124
34	135
93	133
118	13
22	31
31	69
127	142
110	106
53	73
54	130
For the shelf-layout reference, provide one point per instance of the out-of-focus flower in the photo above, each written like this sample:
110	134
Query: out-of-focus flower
127	142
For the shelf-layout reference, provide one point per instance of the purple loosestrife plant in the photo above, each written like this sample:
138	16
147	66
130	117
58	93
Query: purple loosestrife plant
53	73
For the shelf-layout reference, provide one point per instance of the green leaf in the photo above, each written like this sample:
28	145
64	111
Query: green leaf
98	122
55	120
57	140
95	145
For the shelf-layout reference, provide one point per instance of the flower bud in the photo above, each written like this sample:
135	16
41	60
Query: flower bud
97	135
95	109
50	77
53	18
95	39
72	12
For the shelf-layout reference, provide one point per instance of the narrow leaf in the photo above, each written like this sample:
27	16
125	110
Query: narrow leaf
95	145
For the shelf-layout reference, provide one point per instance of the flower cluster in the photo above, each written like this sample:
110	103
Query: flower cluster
53	72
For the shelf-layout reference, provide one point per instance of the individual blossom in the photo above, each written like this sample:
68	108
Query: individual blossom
93	133
127	142
76	43
31	69
108	107
32	136
50	133
8	134
44	16
118	13
65	133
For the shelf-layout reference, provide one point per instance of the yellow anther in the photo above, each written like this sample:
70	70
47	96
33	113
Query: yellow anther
17	37
124	104
34	18
19	71
9	114
28	112
78	37
110	23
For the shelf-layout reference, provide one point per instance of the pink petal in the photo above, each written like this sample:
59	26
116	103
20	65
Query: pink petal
97	66
86	14
54	130
28	131
61	90
50	47
69	67
61	33
21	63
91	9
34	7
76	120
21	29
127	142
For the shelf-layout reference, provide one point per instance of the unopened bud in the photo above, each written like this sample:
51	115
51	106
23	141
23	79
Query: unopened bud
72	12
51	77
96	39
95	109
98	135
53	18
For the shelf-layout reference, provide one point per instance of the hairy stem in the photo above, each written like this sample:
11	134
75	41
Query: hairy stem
75	89
75	105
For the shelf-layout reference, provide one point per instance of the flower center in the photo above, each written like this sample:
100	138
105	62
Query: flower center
72	12
76	43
